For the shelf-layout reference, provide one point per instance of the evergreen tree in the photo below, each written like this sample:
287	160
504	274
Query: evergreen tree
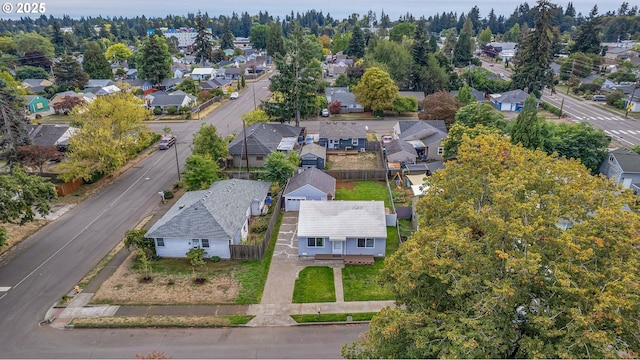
95	64
535	54
297	80
57	39
587	40
527	127
356	44
69	73
153	60
462	53
275	40
226	42
202	45
465	96
13	130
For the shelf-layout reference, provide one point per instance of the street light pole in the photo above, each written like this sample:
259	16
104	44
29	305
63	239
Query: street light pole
626	113
175	148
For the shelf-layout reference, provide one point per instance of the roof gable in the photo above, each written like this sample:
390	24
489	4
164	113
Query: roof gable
262	138
314	177
341	219
628	160
342	130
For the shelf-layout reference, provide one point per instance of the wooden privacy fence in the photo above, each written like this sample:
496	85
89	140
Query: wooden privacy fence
69	187
365	174
256	252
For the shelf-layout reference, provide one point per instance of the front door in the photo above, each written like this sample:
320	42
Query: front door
337	247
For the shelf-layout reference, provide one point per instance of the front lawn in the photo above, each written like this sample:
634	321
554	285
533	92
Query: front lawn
314	284
311	318
364	190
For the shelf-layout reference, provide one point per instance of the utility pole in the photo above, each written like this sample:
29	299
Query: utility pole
246	151
561	106
626	113
573	63
175	148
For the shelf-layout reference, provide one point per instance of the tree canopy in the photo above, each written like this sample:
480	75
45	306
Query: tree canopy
440	106
153	60
278	167
376	90
527	127
118	52
200	171
518	255
208	142
94	63
69	73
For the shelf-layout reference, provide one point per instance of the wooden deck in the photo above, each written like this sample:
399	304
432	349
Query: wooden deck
348	259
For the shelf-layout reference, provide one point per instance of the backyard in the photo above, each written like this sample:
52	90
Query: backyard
353	160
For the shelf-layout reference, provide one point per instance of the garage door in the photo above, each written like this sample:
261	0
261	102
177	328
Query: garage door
293	204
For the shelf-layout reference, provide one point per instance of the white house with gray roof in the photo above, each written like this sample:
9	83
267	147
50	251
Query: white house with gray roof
623	166
424	135
309	184
212	219
342	228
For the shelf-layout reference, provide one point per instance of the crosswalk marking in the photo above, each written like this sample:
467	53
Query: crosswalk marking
615	132
624	132
4	288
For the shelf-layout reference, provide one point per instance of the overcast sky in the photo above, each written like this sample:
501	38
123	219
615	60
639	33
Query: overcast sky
338	9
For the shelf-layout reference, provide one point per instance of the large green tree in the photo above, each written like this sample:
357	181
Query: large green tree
395	57
32	42
527	127
208	142
401	31
69	73
259	36
13	130
535	54
31	72
299	73
376	90
357	43
275	41
518	255
587	39
226	41
94	63
111	132
578	141
278	167
153	60
23	197
203	44
200	172
480	114
118	53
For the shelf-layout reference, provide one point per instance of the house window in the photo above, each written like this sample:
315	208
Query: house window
315	242
366	243
244	157
195	243
205	243
440	151
160	241
611	159
259	157
354	141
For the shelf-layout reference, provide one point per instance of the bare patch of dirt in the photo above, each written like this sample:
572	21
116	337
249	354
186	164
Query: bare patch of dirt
350	161
124	288
342	184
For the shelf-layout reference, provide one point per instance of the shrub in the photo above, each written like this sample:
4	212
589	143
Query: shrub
172	110
260	225
552	109
168	194
215	258
157	111
587	89
612	98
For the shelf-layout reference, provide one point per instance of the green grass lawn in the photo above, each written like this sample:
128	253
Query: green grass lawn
314	284
360	282
365	190
310	318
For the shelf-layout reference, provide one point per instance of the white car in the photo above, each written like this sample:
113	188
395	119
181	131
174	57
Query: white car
325	112
234	95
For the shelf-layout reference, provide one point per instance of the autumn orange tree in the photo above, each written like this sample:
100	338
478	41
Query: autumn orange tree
440	106
519	255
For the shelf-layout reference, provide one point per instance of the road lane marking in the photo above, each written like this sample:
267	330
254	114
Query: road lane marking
4	288
624	132
615	132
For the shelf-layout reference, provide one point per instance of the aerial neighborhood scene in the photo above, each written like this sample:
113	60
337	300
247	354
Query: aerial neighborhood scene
276	180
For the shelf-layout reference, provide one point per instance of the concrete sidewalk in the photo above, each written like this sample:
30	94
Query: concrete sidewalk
274	309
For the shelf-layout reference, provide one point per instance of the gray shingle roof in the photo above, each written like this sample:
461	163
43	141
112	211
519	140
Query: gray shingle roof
315	149
429	131
400	145
47	134
341	219
314	177
511	97
94	83
168	100
217	213
262	138
342	130
628	160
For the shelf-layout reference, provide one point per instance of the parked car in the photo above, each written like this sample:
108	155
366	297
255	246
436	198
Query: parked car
599	98
166	142
386	139
325	112
234	95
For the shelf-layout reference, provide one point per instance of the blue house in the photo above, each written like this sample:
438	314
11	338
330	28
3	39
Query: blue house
342	135
310	184
313	156
509	101
342	228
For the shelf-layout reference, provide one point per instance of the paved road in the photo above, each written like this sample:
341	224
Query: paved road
48	264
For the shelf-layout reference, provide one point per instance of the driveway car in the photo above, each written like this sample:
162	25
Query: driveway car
386	139
599	98
166	142
325	112
234	95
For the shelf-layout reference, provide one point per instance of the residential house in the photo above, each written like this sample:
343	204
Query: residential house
401	151
509	101
342	135
262	139
98	83
36	85
617	54
424	135
623	166
169	84
215	83
477	95
342	228
58	101
57	135
141	84
307	185
347	99
164	100
179	70
233	73
211	219
202	74
101	91
240	59
131	74
36	104
313	156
